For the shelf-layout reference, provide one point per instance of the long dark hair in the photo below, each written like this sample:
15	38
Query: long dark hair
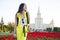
21	8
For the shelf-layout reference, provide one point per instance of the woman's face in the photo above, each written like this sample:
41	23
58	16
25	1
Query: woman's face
25	7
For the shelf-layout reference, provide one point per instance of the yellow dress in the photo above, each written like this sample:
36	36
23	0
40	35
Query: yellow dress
19	28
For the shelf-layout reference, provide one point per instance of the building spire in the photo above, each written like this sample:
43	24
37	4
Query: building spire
2	20
39	14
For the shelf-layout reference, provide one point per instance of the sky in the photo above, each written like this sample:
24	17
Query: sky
49	9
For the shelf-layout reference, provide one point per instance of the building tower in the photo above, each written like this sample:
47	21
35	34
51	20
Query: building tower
2	22
38	21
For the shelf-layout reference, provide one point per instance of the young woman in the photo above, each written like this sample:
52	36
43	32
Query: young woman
22	22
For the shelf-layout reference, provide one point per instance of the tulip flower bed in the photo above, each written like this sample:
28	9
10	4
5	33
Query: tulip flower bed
6	36
9	37
36	36
43	36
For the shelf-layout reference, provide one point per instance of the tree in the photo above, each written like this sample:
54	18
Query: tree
5	28
10	27
56	29
49	29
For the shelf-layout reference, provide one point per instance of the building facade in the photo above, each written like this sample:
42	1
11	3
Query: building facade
38	25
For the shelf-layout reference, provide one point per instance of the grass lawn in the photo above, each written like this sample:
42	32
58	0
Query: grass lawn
4	34
44	38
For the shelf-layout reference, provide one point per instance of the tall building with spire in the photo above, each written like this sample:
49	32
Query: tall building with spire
2	20
38	25
38	20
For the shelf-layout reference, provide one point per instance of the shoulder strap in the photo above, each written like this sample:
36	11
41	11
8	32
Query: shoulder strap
27	18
